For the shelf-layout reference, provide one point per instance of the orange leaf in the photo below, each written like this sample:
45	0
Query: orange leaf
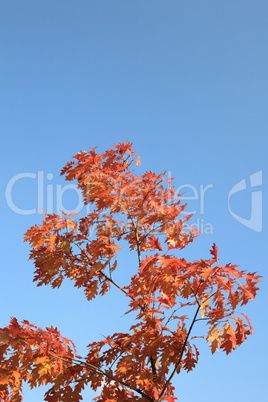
154	242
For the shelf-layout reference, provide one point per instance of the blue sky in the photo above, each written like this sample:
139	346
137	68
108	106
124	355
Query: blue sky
186	82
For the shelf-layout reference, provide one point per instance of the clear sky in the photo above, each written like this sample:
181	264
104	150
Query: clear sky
186	82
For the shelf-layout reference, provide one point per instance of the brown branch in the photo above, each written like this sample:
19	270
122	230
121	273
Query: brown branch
180	357
153	366
137	240
106	373
103	274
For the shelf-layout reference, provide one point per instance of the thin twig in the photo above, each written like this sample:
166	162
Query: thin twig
95	369
137	240
180	357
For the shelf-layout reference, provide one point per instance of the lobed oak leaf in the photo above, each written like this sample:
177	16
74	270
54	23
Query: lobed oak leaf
14	327
248	322
214	251
204	306
154	242
91	290
138	160
214	337
4	335
51	242
165	299
148	262
228	338
190	360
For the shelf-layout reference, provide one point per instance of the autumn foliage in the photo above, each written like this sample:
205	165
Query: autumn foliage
145	212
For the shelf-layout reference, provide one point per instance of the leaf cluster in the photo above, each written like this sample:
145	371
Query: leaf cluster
144	212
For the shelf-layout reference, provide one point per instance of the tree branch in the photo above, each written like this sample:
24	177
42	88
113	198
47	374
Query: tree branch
97	370
137	240
180	357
